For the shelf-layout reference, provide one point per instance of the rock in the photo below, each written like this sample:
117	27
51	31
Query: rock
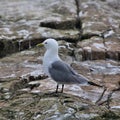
21	25
26	30
97	22
59	24
97	48
113	48
42	102
50	105
86	30
96	18
78	53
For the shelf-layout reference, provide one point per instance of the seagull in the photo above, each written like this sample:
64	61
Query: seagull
57	69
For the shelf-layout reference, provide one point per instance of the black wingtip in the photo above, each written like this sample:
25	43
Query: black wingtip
94	84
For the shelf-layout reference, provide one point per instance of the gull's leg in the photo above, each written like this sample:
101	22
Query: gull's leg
62	88
57	88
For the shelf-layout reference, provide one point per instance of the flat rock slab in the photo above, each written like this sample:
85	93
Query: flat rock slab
20	100
25	23
93	29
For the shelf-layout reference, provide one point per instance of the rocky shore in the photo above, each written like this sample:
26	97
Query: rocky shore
88	33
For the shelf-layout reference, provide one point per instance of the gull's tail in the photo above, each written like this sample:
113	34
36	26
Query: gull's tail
83	80
94	84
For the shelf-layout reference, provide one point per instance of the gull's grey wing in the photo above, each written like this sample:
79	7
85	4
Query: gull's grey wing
64	74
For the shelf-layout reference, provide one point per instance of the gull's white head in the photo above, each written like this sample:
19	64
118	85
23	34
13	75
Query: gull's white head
50	44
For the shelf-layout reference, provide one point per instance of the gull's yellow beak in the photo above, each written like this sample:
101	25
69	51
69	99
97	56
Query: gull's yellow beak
40	45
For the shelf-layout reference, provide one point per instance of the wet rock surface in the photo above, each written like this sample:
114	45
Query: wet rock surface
89	37
25	23
25	93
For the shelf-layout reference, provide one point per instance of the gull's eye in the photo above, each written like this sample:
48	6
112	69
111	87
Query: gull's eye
45	42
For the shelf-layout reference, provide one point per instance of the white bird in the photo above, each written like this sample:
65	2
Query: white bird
57	69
